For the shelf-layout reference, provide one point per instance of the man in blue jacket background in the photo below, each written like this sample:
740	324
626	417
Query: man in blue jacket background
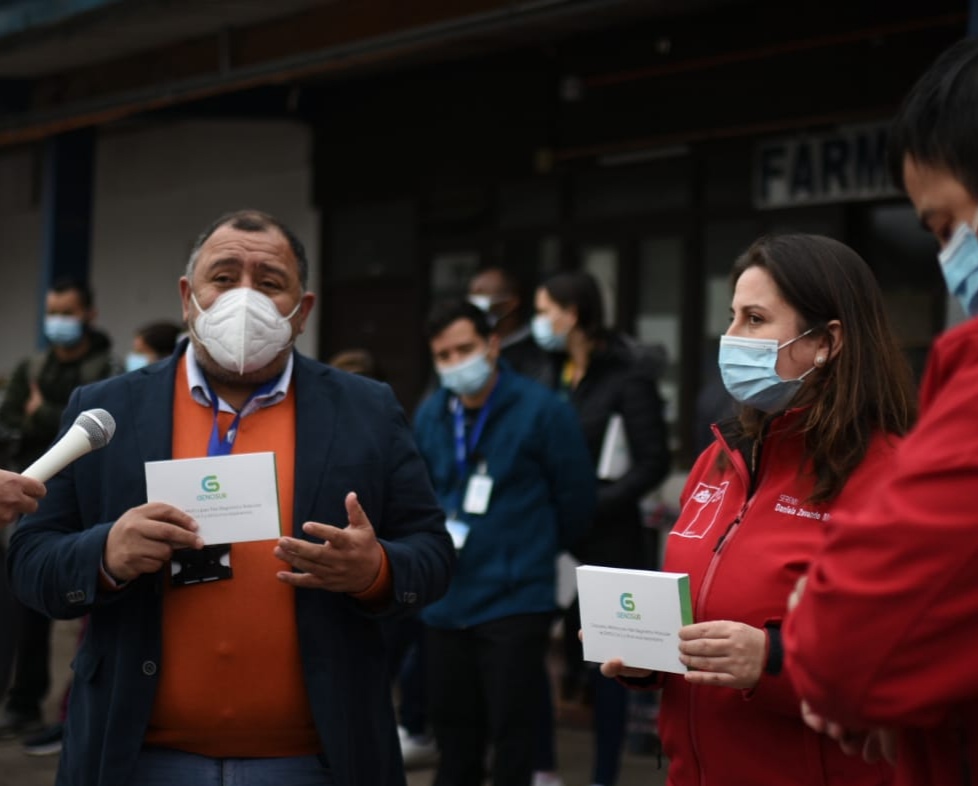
511	468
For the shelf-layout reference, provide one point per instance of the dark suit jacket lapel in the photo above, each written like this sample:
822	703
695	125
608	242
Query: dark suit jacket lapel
152	400
315	414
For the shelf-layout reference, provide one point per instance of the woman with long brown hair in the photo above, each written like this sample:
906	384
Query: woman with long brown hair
825	395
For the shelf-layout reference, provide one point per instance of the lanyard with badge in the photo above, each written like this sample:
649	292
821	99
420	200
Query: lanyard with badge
212	563
478	484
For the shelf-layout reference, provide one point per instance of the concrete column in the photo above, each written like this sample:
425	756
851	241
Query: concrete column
66	211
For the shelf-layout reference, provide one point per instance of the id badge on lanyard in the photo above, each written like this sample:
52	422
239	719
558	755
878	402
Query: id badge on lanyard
478	491
211	563
478	488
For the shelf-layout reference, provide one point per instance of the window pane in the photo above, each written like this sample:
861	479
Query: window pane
528	203
450	273
614	192
660	311
373	241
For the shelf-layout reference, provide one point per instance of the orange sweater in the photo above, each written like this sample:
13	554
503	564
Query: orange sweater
230	680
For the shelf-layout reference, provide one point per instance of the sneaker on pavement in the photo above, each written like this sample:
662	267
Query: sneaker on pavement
46	742
16	724
417	750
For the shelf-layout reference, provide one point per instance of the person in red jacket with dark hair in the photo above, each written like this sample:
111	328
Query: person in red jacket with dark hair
884	634
824	395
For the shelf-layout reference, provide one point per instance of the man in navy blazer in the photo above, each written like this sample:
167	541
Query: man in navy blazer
96	546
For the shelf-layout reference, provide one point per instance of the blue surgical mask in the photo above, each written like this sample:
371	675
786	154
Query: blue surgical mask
63	330
468	377
136	360
959	264
747	366
543	333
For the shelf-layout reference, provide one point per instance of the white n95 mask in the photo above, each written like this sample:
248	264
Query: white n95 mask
243	330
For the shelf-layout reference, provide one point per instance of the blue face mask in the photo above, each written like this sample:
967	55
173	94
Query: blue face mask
959	264
136	360
63	331
468	377
543	333
747	366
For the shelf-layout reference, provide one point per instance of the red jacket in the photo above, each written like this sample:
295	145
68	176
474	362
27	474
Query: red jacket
887	631
743	555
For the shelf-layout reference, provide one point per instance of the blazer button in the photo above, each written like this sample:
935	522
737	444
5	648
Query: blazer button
409	597
149	668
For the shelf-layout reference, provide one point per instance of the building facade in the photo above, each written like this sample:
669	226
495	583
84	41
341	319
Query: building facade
647	142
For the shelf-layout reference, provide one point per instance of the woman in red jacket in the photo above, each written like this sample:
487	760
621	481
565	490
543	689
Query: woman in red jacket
825	394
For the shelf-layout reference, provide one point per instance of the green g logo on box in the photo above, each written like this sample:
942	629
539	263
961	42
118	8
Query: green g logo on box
212	489
628	604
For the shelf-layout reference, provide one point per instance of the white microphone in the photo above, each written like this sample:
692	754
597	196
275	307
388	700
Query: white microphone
91	430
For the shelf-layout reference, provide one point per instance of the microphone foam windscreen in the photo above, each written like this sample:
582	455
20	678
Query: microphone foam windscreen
98	424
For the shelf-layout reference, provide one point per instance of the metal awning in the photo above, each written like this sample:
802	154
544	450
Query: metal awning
39	37
115	58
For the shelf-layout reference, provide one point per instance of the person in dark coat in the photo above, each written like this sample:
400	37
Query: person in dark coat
606	377
77	354
497	292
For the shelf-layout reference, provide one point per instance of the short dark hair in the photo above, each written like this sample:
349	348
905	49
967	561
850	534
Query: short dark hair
161	337
357	361
511	282
449	311
937	125
64	284
253	221
580	290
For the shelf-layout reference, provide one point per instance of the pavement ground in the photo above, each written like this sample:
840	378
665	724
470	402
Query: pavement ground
574	745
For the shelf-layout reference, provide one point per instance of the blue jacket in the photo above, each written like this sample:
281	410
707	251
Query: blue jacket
543	497
350	435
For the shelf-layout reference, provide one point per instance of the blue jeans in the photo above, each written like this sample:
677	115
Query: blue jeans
165	767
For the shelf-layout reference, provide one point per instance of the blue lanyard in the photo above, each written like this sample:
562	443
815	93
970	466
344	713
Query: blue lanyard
462	448
222	447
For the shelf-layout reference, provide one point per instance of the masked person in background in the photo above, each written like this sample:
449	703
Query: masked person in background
17	495
174	681
824	394
884	634
606	378
497	292
511	469
38	392
151	343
